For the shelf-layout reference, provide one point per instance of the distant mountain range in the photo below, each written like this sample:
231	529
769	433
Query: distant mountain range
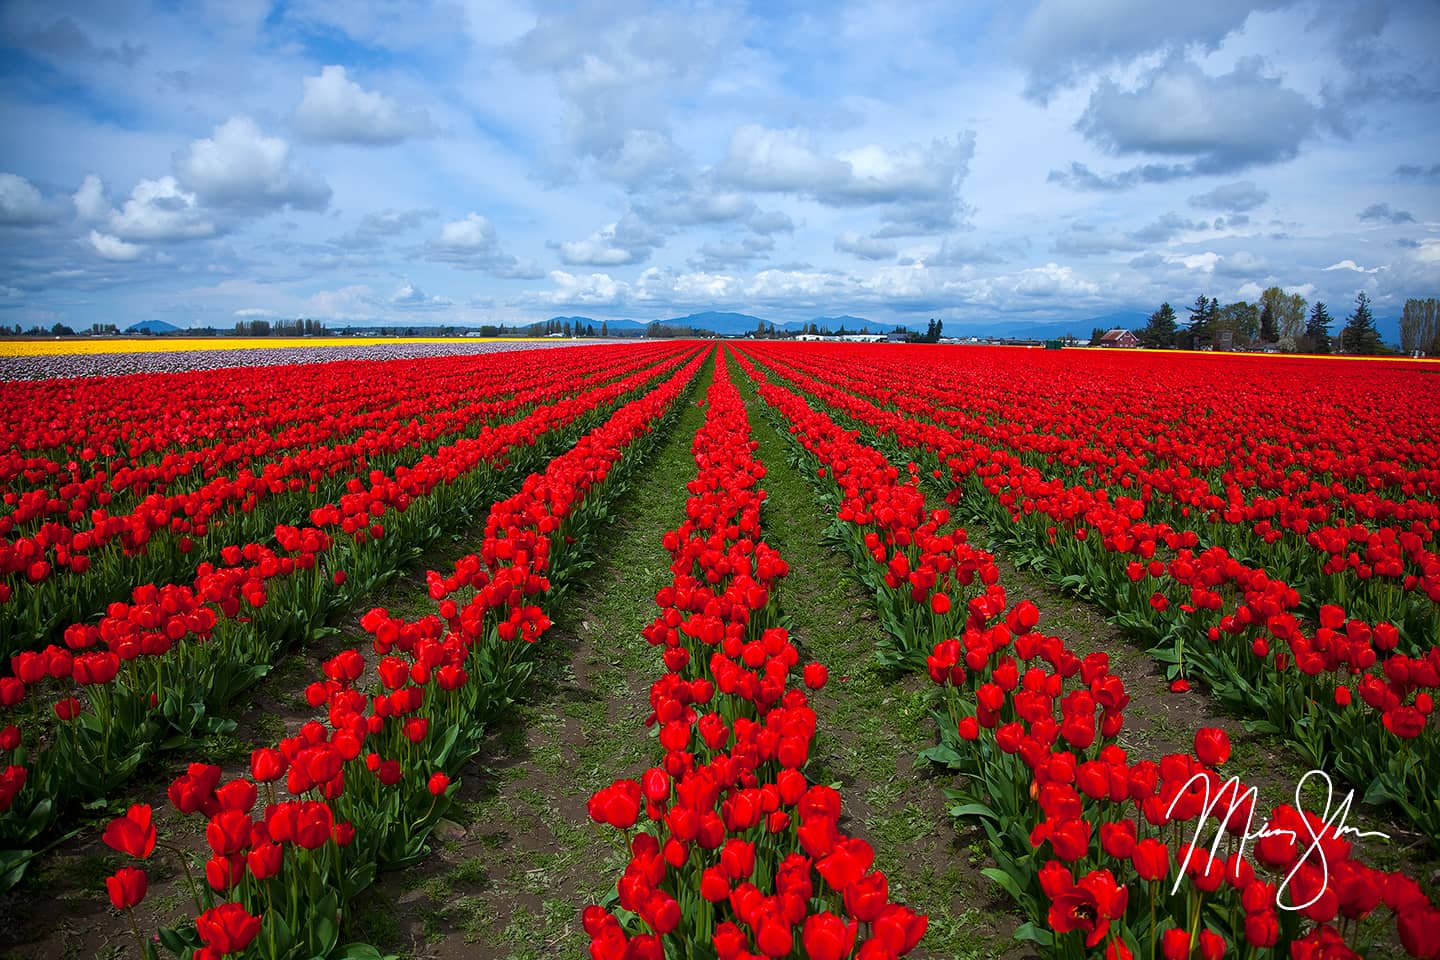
152	326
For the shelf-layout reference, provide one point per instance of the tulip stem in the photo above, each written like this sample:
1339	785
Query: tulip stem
135	928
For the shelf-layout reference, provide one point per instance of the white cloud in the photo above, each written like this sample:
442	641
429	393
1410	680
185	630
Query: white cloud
1348	264
21	204
596	289
1231	121
759	158
238	166
472	243
629	240
1062	39
336	109
410	297
474	234
113	248
1053	281
160	210
90	200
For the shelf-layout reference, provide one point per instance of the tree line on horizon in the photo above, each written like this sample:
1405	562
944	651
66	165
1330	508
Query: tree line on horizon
1280	322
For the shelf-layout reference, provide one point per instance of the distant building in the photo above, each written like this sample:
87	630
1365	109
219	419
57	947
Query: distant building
1123	339
897	336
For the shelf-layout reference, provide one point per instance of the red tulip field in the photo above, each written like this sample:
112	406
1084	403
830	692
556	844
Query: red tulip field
757	649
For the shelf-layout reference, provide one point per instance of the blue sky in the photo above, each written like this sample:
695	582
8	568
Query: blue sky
401	162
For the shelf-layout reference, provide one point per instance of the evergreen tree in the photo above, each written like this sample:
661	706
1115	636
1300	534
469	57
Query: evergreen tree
1202	321
1317	328
939	330
1269	333
604	328
1360	335
1159	333
1095	334
930	331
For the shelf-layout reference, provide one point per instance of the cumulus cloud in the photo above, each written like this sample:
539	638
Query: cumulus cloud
1348	264
1235	197
410	297
617	72
90	200
628	240
1209	124
336	109
596	288
1052	281
21	204
919	186
763	159
160	210
472	243
113	248
1063	39
1381	213
866	248
239	167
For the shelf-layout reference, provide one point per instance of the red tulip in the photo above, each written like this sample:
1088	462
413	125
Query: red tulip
827	937
133	834
1212	746
228	928
127	887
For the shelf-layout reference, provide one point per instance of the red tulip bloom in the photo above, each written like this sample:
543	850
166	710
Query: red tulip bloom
228	832
1089	906
127	887
827	937
267	764
1151	859
1212	746
438	784
265	860
1419	928
228	928
132	834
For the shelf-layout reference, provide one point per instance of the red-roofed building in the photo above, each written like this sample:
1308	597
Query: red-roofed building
1123	339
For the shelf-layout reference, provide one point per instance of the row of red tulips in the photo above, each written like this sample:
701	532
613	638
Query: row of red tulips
1340	688
68	571
151	674
732	853
362	790
248	419
1337	528
1105	853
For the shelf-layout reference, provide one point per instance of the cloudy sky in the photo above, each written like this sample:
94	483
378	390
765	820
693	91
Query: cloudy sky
383	162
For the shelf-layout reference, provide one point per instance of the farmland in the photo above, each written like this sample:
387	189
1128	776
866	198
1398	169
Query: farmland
758	649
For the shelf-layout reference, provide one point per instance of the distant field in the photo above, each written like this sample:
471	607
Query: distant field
54	348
